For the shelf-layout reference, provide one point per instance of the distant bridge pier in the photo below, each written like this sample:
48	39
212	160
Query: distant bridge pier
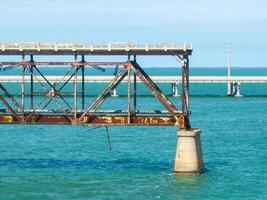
237	86
175	90
114	93
235	89
232	89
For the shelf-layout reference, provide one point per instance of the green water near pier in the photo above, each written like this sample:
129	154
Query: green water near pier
71	162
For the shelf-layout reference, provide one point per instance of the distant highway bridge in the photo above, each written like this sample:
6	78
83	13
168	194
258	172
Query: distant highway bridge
235	81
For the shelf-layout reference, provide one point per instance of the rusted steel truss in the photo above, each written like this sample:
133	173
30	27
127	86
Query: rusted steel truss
78	114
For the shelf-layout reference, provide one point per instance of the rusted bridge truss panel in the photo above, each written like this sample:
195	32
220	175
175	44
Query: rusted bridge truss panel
88	113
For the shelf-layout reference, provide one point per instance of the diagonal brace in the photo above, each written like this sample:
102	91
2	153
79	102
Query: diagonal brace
106	92
10	96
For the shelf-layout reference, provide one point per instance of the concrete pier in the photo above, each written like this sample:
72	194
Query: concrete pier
237	94
235	89
175	92
114	93
188	157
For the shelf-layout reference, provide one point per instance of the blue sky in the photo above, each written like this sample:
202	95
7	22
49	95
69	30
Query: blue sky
206	24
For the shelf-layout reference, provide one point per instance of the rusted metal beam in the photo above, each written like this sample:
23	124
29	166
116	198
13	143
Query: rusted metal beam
66	63
31	74
183	88
129	95
152	84
185	93
82	116
155	90
106	92
92	120
75	92
9	108
187	82
53	87
12	99
82	68
187	121
135	93
30	115
23	87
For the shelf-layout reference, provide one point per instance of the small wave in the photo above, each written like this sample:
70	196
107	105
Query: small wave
86	163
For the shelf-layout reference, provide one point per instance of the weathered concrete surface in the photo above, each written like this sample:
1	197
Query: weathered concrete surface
188	152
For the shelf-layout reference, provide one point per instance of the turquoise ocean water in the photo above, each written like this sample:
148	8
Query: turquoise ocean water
71	162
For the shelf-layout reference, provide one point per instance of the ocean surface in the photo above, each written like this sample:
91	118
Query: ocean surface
74	162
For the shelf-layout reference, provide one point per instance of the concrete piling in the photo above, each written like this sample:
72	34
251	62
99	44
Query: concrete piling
114	93
188	157
235	89
175	92
237	94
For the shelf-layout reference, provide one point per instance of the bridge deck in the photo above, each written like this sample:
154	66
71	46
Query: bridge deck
38	48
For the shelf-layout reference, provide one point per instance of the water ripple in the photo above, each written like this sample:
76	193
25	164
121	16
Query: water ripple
86	163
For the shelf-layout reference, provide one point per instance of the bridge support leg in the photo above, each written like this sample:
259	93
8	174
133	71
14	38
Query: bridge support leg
232	90
237	86
188	152
229	88
114	93
175	92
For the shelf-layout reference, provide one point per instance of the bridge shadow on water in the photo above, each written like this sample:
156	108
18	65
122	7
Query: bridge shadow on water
90	164
119	164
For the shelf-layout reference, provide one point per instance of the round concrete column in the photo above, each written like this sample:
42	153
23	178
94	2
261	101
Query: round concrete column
114	93
175	92
188	152
238	90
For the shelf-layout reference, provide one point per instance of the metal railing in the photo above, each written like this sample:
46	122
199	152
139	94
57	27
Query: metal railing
81	46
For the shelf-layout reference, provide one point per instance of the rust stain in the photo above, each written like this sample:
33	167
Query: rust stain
7	119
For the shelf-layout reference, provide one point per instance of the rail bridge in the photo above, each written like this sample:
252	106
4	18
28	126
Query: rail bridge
34	111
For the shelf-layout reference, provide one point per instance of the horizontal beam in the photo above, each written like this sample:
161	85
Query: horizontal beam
89	120
64	63
157	79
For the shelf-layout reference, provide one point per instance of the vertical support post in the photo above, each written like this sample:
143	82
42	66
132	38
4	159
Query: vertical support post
135	86
114	92
187	84
229	89
183	87
75	90
233	89
237	94
83	83
23	87
129	95
175	92
31	71
185	92
135	93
